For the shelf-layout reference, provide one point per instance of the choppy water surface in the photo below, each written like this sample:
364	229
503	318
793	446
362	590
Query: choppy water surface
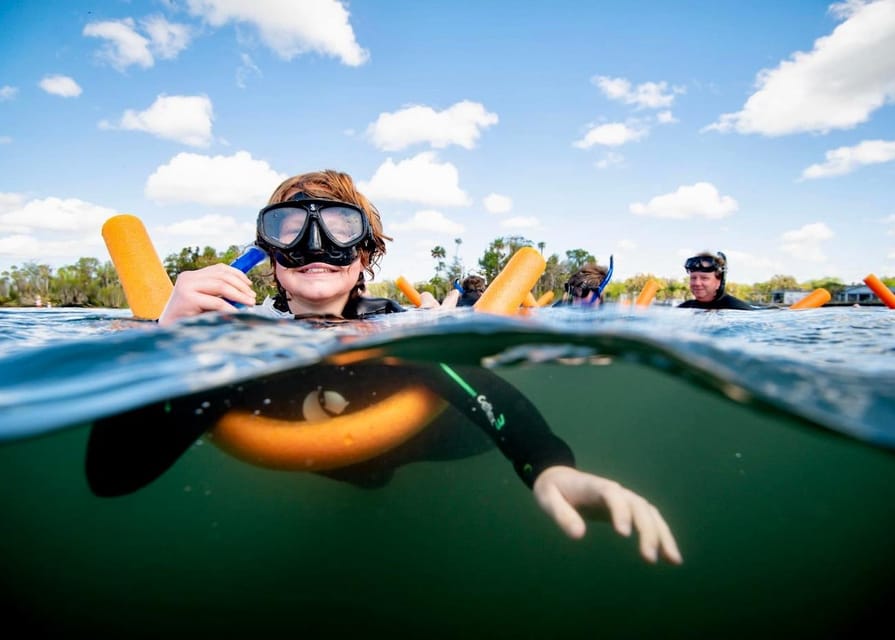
832	366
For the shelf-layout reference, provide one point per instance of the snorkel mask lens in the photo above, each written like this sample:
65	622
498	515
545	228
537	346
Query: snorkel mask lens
303	230
702	264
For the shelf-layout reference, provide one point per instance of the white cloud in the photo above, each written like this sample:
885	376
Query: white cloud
60	86
124	46
8	93
430	220
804	243
837	85
41	230
847	159
5	140
184	119
460	124
167	39
54	214
10	201
496	203
421	179
613	134
224	181
649	95
665	117
700	200
212	230
290	28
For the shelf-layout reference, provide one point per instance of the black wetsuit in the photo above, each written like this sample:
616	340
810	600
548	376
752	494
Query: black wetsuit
726	301
468	298
127	451
488	401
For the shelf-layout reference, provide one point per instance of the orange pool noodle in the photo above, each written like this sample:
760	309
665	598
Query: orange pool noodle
881	290
529	300
647	293
409	290
817	298
509	288
545	299
330	443
146	284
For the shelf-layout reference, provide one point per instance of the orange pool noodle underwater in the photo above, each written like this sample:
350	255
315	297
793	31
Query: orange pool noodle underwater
513	284
146	284
817	298
330	443
648	293
409	290
881	290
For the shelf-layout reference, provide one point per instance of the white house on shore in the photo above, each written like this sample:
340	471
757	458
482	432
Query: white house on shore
859	294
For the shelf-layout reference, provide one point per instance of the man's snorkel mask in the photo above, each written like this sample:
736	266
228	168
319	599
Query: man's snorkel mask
303	230
710	264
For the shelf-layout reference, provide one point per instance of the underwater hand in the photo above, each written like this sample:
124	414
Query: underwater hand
563	493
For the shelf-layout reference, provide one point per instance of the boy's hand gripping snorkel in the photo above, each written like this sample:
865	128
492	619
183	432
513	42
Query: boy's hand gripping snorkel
248	259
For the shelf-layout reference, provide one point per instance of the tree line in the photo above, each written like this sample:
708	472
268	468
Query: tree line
91	283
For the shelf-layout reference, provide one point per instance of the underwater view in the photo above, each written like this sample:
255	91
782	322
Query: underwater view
766	439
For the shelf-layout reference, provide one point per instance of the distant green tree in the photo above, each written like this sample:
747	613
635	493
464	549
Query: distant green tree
498	254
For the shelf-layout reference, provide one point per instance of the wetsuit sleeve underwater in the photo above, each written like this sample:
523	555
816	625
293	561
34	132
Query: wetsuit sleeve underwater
512	422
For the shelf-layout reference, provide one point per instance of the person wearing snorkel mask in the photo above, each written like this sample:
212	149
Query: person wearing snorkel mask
708	276
471	289
322	236
585	287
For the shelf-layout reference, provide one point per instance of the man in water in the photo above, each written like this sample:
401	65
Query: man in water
585	286
708	275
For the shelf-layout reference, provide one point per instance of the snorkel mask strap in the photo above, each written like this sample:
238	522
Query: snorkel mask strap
599	290
721	289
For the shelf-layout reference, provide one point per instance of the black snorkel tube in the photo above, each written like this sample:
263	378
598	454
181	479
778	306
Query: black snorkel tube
720	292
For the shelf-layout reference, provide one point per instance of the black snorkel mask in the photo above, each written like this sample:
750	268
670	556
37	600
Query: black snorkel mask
304	230
710	264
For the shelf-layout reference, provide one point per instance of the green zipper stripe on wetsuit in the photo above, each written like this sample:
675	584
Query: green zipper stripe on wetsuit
497	423
456	377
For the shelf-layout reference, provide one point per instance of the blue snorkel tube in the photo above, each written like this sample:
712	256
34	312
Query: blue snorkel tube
599	291
247	259
458	286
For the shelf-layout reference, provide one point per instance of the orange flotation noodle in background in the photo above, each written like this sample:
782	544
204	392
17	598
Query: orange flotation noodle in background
817	298
647	293
545	299
513	284
409	291
881	290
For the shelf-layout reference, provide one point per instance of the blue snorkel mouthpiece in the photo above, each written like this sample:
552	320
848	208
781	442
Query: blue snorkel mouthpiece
252	256
249	258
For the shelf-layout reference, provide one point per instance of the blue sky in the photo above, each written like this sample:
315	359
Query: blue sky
646	130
